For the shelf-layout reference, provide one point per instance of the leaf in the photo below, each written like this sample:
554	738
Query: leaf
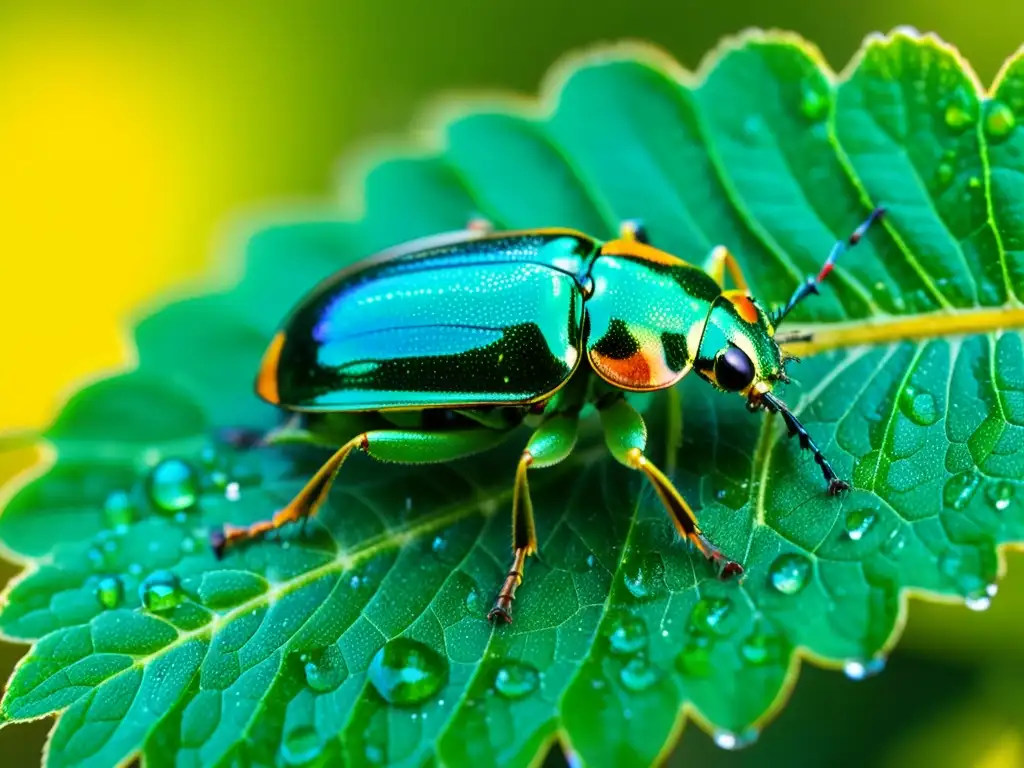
274	656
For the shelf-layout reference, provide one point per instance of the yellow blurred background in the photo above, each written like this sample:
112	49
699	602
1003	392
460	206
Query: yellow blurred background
134	134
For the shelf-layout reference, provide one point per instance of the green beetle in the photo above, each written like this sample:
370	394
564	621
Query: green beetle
474	331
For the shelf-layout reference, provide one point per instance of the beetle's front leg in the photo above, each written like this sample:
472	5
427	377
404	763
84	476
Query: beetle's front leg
798	430
551	443
626	436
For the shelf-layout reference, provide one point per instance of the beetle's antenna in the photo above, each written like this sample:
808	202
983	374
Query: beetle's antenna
810	285
796	429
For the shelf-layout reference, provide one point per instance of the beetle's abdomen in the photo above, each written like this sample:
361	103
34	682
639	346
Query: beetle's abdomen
490	321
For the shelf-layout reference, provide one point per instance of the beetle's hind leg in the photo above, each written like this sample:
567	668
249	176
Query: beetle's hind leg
396	445
626	436
551	443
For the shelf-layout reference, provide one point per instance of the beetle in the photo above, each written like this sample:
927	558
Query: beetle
483	328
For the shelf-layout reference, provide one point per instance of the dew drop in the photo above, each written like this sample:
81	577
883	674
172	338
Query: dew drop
959	112
999	120
789	573
173	486
695	659
943	175
732	495
713	615
644	576
188	545
219	479
626	634
814	101
438	545
301	746
473	600
960	489
859	522
135	569
918	406
860	669
590	561
232	491
515	680
160	591
762	648
406	672
981	601
637	674
999	494
732	741
325	669
118	508
110	591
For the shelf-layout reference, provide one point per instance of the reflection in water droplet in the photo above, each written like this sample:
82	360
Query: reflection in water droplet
110	591
731	741
789	573
999	494
438	545
713	615
173	486
695	659
118	509
637	674
514	680
325	669
626	634
859	669
960	489
301	746
160	591
999	120
918	406
644	576
859	522
406	672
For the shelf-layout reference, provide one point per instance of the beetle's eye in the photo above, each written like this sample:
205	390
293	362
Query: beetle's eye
733	370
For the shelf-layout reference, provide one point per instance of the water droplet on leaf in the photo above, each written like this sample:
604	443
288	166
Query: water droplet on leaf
406	672
118	508
626	634
301	746
918	406
789	573
232	491
110	591
859	669
514	680
160	591
695	659
713	615
859	522
644	576
637	674
960	489
762	648
729	740
814	101
959	112
999	120
943	175
999	494
325	669
173	486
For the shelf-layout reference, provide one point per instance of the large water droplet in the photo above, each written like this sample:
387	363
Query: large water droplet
730	740
981	601
859	669
173	486
301	746
695	659
118	509
999	494
160	591
713	615
110	591
960	489
626	634
789	573
406	672
762	648
859	522
644	576
514	680
637	674
325	669
960	111
919	406
814	101
999	120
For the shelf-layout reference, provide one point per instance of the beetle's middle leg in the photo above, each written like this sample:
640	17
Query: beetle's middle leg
551	443
721	260
402	446
626	435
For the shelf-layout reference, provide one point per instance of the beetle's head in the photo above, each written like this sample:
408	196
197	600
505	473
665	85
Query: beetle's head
738	352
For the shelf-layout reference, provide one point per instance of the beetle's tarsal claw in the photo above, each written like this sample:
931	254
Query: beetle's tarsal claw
730	568
501	612
837	486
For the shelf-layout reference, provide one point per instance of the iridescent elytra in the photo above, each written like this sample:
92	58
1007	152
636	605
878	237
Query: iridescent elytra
458	339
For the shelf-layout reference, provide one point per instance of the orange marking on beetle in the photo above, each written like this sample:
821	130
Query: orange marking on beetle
744	306
266	380
644	369
642	251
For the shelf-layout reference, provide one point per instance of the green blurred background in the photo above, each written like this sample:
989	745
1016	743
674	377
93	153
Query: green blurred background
134	136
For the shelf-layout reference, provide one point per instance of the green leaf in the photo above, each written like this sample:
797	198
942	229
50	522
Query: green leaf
284	652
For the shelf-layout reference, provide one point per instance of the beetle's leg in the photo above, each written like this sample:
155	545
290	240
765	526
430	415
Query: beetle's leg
396	445
634	231
551	443
720	260
626	435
